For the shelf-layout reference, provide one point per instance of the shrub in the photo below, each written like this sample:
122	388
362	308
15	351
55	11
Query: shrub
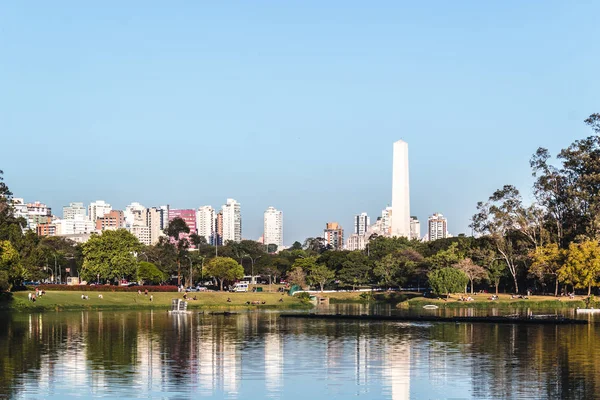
104	288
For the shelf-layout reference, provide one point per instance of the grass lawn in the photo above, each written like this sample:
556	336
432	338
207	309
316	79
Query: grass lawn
365	297
58	300
504	300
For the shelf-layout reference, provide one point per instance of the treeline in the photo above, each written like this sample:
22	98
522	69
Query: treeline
549	246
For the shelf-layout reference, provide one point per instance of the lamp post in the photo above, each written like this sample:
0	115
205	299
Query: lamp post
252	270
55	263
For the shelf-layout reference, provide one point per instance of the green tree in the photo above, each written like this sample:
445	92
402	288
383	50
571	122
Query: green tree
355	269
320	274
447	280
11	271
547	261
149	273
297	276
224	269
110	255
175	230
447	258
583	264
473	271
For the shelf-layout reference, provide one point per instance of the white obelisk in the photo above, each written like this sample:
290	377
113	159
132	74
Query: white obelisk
400	191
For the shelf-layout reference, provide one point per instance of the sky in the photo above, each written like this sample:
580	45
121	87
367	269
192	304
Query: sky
290	104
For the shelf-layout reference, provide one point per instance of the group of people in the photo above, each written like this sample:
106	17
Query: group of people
468	298
519	296
185	297
34	296
493	297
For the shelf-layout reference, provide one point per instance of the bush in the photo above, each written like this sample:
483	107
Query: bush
303	296
105	288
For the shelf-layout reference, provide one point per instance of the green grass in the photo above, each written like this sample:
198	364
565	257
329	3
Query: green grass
369	297
504	301
59	300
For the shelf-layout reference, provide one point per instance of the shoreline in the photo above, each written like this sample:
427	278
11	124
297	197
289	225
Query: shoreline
122	301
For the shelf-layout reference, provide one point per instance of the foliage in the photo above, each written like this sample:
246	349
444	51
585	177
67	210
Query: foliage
297	276
224	269
110	256
355	269
447	280
321	275
148	272
474	272
582	266
546	261
10	266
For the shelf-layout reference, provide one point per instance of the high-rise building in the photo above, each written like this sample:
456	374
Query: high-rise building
356	242
232	221
438	227
38	213
141	232
386	221
334	235
361	223
219	228
165	216
205	223
135	214
74	210
273	227
154	222
79	225
113	220
189	216
98	209
415	228
400	191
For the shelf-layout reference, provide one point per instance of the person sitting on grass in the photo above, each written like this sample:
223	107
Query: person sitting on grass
229	300
185	296
151	297
100	296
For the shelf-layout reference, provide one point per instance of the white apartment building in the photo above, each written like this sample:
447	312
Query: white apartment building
205	223
273	227
135	215
361	223
73	210
386	221
438	227
19	208
154	222
76	226
415	228
232	221
141	232
38	213
97	209
356	242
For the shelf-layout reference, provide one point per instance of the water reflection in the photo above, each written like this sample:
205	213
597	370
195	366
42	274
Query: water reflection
259	355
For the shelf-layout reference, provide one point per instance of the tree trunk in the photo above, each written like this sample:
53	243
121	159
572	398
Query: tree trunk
321	287
589	289
556	288
516	284
221	284
497	283
178	273
471	286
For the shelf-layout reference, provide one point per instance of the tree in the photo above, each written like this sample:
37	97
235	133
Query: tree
355	270
11	271
149	273
224	269
197	241
447	258
297	276
110	255
583	264
175	230
320	274
547	261
316	245
500	218
447	280
387	270
473	271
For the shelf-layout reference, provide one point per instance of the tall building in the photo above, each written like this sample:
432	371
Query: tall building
438	227
219	228
232	221
135	214
79	225
356	242
400	191
205	223
141	232
415	228
74	210
189	216
98	209
273	227
361	223
165	216
38	213
334	235
386	221
113	220
154	222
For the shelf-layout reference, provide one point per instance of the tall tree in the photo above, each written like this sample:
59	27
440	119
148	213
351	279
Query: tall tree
447	280
321	275
175	230
355	269
583	264
547	261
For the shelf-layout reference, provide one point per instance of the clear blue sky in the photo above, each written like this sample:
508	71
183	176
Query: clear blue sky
293	104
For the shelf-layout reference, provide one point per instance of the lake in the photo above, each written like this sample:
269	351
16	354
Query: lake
258	355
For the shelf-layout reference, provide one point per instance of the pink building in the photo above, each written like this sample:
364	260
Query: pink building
189	216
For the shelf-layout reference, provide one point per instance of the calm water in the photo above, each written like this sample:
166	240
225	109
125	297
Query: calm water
259	355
